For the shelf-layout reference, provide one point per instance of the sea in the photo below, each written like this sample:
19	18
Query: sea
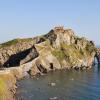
61	85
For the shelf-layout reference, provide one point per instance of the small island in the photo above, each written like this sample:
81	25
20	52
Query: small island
58	49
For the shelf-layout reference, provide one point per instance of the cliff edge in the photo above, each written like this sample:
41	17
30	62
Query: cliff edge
68	50
58	49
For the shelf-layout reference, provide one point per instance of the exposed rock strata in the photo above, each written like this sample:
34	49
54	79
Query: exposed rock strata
59	49
7	85
59	45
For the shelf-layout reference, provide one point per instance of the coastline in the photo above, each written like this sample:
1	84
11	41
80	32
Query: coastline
59	49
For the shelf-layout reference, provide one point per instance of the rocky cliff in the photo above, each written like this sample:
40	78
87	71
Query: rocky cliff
62	49
58	49
7	85
61	45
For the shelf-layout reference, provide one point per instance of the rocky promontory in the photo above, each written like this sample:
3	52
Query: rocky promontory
58	49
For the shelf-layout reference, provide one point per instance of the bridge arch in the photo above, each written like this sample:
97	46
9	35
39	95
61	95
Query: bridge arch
97	59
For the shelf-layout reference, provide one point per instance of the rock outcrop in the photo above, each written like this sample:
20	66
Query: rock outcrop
7	85
60	45
58	49
97	56
62	49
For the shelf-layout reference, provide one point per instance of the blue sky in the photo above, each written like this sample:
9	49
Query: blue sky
28	18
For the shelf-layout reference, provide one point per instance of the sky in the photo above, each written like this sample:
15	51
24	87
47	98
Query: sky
29	18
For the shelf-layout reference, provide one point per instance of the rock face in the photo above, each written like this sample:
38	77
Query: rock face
16	50
6	52
64	50
98	55
7	85
58	49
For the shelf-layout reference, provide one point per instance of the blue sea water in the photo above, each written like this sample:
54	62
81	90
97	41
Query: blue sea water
69	85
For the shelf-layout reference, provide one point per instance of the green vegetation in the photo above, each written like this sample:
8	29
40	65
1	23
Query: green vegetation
59	54
15	41
90	48
80	38
3	87
9	43
69	53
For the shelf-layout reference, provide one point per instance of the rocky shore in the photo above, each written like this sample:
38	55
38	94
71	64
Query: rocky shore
58	49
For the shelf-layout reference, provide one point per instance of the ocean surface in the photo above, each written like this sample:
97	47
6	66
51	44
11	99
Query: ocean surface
69	85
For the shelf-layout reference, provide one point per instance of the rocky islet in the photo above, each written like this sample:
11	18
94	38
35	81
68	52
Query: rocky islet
58	49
